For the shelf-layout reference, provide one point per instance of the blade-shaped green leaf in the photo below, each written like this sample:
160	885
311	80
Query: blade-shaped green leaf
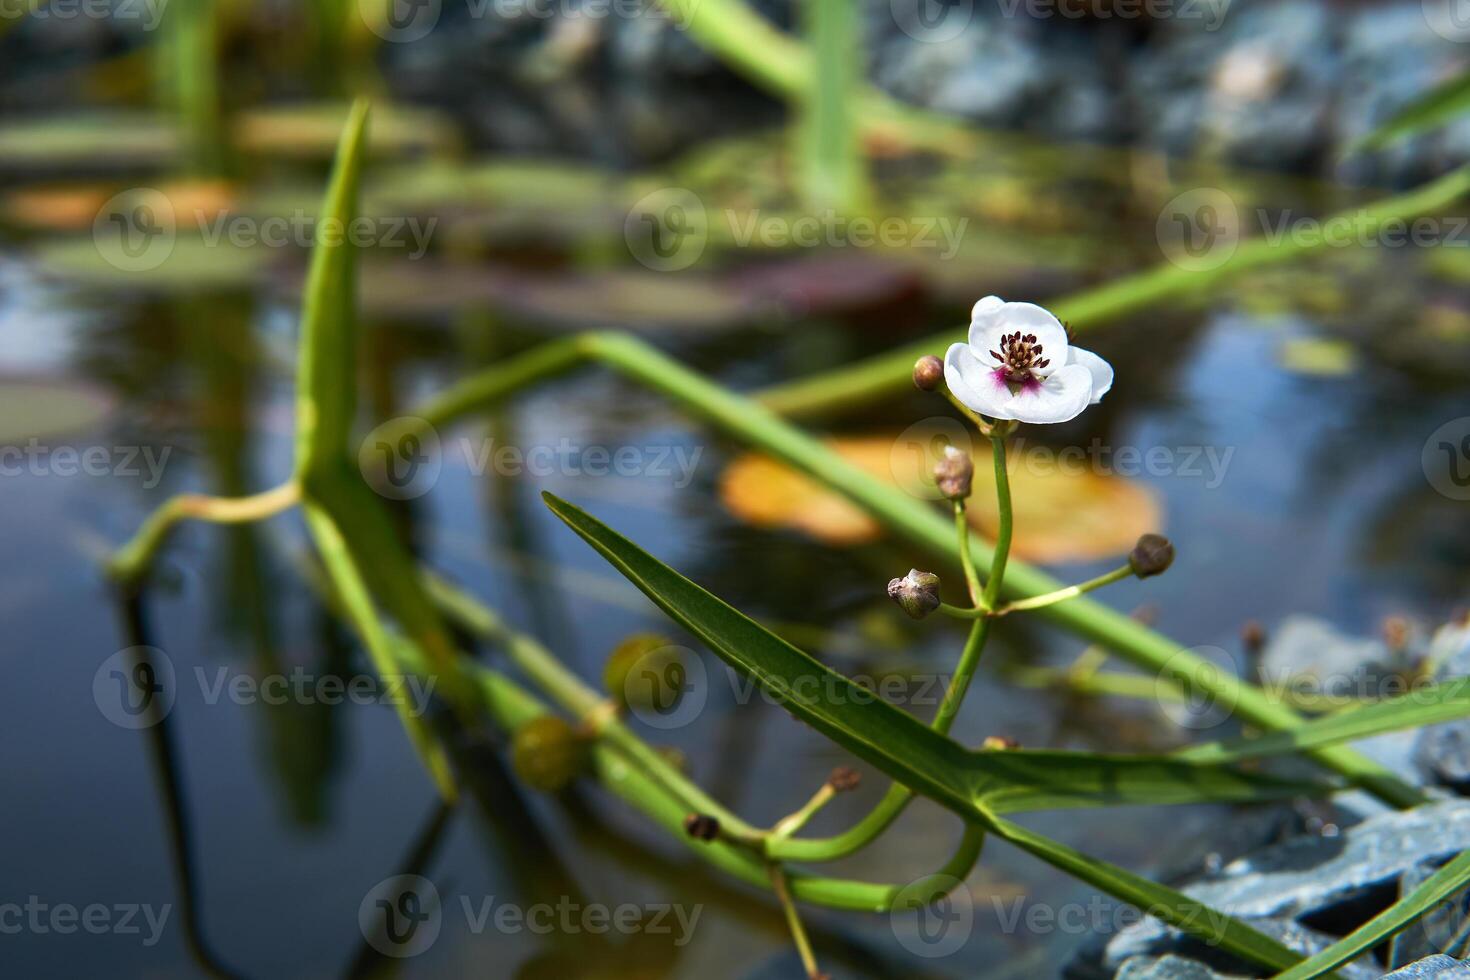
1436	107
898	743
1388	923
1429	706
852	716
1164	903
326	385
1013	781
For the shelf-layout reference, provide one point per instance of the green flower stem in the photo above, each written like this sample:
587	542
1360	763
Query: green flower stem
357	604
962	613
787	826
793	922
130	563
887	374
964	672
1062	595
1001	552
967	558
548	672
651	783
909	519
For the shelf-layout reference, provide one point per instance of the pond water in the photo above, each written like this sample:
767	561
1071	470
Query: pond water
1286	491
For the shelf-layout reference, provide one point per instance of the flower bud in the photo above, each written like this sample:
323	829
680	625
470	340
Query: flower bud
917	593
702	826
844	779
638	670
954	473
547	753
1253	637
996	743
928	372
1151	556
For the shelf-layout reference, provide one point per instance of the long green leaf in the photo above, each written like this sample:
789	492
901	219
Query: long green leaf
326	386
1432	705
1015	781
971	783
1436	107
1166	904
852	716
1388	923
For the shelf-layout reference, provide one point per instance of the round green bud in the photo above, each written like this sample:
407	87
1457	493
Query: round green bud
547	753
640	672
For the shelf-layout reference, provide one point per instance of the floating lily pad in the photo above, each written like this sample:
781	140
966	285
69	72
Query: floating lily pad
188	264
90	142
311	130
36	408
1317	356
1061	514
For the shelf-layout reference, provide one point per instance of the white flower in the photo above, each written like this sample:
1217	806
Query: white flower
1019	365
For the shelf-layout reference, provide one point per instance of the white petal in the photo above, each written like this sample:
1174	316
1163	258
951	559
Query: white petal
973	383
1101	371
1060	397
989	321
985	307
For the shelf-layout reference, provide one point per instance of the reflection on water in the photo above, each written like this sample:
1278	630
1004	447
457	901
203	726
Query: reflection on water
265	825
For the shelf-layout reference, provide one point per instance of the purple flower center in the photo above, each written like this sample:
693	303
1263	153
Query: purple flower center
1020	361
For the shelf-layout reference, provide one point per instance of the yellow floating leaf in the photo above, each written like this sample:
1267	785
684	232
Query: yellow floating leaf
1062	513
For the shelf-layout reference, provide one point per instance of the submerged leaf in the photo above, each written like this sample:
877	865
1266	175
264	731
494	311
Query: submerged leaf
1062	512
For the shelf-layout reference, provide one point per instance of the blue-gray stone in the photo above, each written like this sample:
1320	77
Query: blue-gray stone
1438	967
1168	967
1308	876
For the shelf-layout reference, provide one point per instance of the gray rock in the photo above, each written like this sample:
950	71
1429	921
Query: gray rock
1151	939
1168	967
1310	655
1312	876
1443	929
1442	752
1438	967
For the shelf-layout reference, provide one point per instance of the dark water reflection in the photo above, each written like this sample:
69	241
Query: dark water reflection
262	827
